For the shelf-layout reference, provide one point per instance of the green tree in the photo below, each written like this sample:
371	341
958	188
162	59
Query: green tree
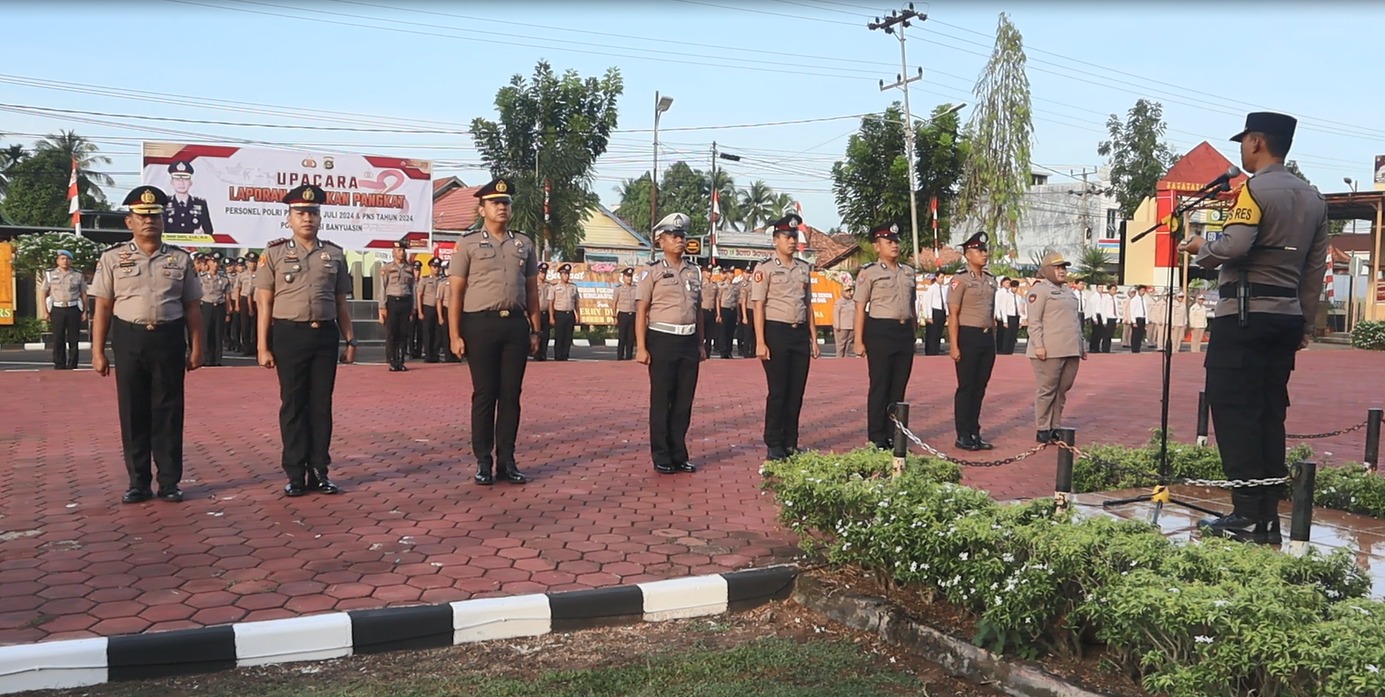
10	157
997	170
728	201
37	190
75	148
1092	264
941	150
550	127
35	253
681	189
1137	153
757	205
870	184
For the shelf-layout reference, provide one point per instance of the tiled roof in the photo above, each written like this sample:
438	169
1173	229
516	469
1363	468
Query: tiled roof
1202	164
455	209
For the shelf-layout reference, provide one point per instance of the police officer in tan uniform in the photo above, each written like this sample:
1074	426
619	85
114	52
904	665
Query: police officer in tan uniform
545	307
729	299
62	301
245	289
711	294
623	299
394	291
216	287
746	317
844	323
563	312
147	300
302	293
445	317
668	339
493	305
428	292
1055	345
886	320
1272	257
415	322
970	341
781	293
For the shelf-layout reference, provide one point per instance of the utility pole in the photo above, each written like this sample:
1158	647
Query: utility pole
901	19
715	216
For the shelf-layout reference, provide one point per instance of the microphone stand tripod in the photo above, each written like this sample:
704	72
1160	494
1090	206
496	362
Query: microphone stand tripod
1160	495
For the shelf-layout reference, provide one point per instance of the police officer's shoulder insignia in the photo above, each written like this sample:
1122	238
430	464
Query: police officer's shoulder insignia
954	283
759	276
1033	297
277	242
1246	210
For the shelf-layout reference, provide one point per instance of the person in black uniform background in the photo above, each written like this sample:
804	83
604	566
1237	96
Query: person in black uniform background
494	318
185	213
302	291
886	322
971	342
1272	256
147	298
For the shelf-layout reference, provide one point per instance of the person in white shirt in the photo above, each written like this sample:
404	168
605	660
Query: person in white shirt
1007	317
1136	315
934	314
1197	321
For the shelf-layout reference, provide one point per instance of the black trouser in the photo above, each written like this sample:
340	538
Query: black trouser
889	362
973	373
445	341
213	332
67	328
150	367
232	328
1247	390
1108	334
496	349
249	331
434	334
933	333
786	373
1094	340
709	333
1008	336
415	332
625	336
673	367
562	339
545	333
305	357
747	335
729	317
397	309
1137	335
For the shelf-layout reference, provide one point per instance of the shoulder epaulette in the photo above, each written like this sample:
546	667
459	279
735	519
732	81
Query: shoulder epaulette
652	262
330	243
469	233
277	242
114	247
867	265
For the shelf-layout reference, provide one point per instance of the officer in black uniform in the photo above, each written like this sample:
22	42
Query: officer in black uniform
668	339
185	213
781	293
494	308
302	291
1272	257
886	322
971	341
623	302
147	299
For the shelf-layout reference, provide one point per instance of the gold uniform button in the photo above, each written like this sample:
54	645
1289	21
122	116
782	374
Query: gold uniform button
504	313
315	325
149	327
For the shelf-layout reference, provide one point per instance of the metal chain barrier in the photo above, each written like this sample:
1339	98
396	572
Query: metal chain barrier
1329	434
965	463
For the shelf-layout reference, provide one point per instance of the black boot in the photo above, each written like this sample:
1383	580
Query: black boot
1243	523
483	473
1269	513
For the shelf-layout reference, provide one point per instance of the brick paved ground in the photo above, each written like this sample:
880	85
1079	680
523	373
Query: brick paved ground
411	528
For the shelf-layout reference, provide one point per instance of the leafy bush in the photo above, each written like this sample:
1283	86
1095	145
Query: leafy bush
1351	488
24	330
1368	335
1212	618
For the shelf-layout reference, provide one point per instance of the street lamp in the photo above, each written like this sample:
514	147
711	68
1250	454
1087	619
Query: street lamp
661	104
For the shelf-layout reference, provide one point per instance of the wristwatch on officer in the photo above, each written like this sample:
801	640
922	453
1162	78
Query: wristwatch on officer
352	342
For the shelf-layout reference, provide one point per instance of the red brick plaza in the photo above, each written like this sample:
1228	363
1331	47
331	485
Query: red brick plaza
411	528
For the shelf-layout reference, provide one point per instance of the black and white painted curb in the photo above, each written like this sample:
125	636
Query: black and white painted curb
82	662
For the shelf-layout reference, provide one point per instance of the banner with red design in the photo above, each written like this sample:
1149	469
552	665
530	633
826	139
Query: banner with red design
228	196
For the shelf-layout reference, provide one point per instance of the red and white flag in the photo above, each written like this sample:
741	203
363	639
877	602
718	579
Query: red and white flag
802	228
1327	282
73	205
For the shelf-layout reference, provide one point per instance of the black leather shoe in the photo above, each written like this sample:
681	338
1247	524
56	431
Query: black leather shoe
883	445
173	495
666	469
777	454
1234	526
137	496
1043	436
685	467
483	474
966	443
979	444
322	485
512	475
295	488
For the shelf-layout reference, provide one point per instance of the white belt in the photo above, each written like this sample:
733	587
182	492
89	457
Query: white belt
74	303
675	329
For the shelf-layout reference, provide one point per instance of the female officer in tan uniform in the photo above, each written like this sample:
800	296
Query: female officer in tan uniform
1055	344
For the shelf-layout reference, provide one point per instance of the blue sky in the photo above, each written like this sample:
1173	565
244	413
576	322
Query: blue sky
436	65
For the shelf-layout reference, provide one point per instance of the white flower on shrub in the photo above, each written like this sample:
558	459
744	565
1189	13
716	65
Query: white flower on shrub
963	556
1202	639
1373	668
1007	557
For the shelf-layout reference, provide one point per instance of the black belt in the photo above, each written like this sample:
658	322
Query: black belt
983	330
891	321
1258	290
398	297
208	302
312	324
789	325
496	313
153	326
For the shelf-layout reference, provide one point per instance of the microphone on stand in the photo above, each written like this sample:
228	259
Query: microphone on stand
1221	183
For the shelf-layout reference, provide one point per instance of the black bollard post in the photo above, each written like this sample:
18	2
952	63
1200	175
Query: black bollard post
1301	525
1372	458
1062	489
901	441
1202	418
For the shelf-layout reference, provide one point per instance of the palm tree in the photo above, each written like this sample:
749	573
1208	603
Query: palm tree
783	203
1091	265
9	157
757	205
84	153
727	201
